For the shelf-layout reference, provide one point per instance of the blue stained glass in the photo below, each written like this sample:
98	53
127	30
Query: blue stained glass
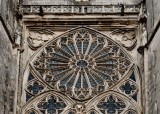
103	75
71	81
111	105
85	45
51	105
30	77
133	77
35	88
93	45
105	52
128	88
32	112
79	46
78	84
98	79
71	46
85	85
65	79
97	49
59	57
65	48
82	63
59	76
92	81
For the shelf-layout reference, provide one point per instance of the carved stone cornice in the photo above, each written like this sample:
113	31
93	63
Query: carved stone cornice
82	9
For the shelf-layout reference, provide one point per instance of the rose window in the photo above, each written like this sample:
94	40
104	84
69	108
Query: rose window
82	72
82	63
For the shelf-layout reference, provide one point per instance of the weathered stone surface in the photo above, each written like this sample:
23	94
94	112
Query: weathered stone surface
72	2
7	60
7	12
5	71
153	13
154	75
156	5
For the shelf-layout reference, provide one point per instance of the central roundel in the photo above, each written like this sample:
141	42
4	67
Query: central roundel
82	63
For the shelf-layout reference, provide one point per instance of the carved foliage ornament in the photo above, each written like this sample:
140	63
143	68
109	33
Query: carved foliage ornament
127	38
81	64
37	37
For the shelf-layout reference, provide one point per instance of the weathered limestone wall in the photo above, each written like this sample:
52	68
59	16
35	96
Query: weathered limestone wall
8	56
5	72
7	12
156	8
154	75
71	2
153	13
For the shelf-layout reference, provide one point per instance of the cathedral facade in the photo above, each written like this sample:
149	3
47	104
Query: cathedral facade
79	57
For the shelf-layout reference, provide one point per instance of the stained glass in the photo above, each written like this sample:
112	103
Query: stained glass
81	64
112	105
85	59
35	87
51	105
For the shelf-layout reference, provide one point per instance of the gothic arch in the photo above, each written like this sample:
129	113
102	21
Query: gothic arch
130	105
77	68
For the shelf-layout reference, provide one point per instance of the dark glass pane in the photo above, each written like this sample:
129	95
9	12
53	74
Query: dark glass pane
30	77
133	77
111	105
51	105
28	96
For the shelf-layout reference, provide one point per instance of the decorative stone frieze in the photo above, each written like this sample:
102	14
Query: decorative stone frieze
82	9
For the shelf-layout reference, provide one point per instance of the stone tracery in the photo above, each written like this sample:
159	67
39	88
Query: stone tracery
82	64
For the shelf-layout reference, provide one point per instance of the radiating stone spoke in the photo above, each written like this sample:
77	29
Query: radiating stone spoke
97	49
72	47
66	49
105	76
65	52
64	79
97	78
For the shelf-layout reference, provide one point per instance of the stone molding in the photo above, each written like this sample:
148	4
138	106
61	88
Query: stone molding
82	9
